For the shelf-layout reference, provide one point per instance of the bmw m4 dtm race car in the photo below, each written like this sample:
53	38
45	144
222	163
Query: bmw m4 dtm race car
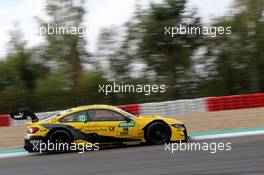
102	124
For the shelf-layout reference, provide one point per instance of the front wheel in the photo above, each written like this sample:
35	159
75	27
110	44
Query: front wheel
186	137
157	133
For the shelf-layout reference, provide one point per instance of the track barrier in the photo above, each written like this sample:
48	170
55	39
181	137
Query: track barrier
171	108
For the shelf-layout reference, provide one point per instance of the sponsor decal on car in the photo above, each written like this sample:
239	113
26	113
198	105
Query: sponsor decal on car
125	131
127	124
111	128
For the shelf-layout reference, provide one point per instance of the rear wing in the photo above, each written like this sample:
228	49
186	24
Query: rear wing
23	114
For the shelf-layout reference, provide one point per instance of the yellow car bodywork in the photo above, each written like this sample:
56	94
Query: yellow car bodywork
84	130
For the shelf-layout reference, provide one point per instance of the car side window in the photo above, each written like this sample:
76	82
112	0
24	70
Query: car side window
75	117
104	115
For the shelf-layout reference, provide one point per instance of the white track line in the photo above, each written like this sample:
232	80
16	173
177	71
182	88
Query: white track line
18	154
227	135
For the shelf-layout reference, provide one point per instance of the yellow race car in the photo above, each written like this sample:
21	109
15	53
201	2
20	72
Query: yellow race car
102	124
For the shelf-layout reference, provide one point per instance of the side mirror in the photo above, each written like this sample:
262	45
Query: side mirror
54	120
128	119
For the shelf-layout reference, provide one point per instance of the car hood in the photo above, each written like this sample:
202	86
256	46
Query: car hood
153	117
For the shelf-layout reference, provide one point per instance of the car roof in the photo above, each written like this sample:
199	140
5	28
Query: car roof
98	106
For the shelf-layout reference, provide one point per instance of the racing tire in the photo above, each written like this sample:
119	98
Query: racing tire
157	133
187	138
62	139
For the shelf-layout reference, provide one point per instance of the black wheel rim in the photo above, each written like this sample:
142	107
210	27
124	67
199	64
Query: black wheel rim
159	133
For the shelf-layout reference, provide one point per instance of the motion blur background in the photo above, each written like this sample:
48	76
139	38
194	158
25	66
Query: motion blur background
60	71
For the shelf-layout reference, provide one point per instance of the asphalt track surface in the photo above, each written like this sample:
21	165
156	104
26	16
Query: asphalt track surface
246	157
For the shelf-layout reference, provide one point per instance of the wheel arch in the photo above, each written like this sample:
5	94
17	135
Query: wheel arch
59	129
158	120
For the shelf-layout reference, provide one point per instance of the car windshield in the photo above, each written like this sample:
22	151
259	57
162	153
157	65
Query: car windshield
54	115
126	112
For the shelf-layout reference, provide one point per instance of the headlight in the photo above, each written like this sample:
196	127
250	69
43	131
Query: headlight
178	126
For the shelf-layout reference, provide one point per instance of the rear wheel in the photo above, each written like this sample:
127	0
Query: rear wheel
157	133
61	141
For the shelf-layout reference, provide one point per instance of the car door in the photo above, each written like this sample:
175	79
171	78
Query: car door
109	126
76	122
